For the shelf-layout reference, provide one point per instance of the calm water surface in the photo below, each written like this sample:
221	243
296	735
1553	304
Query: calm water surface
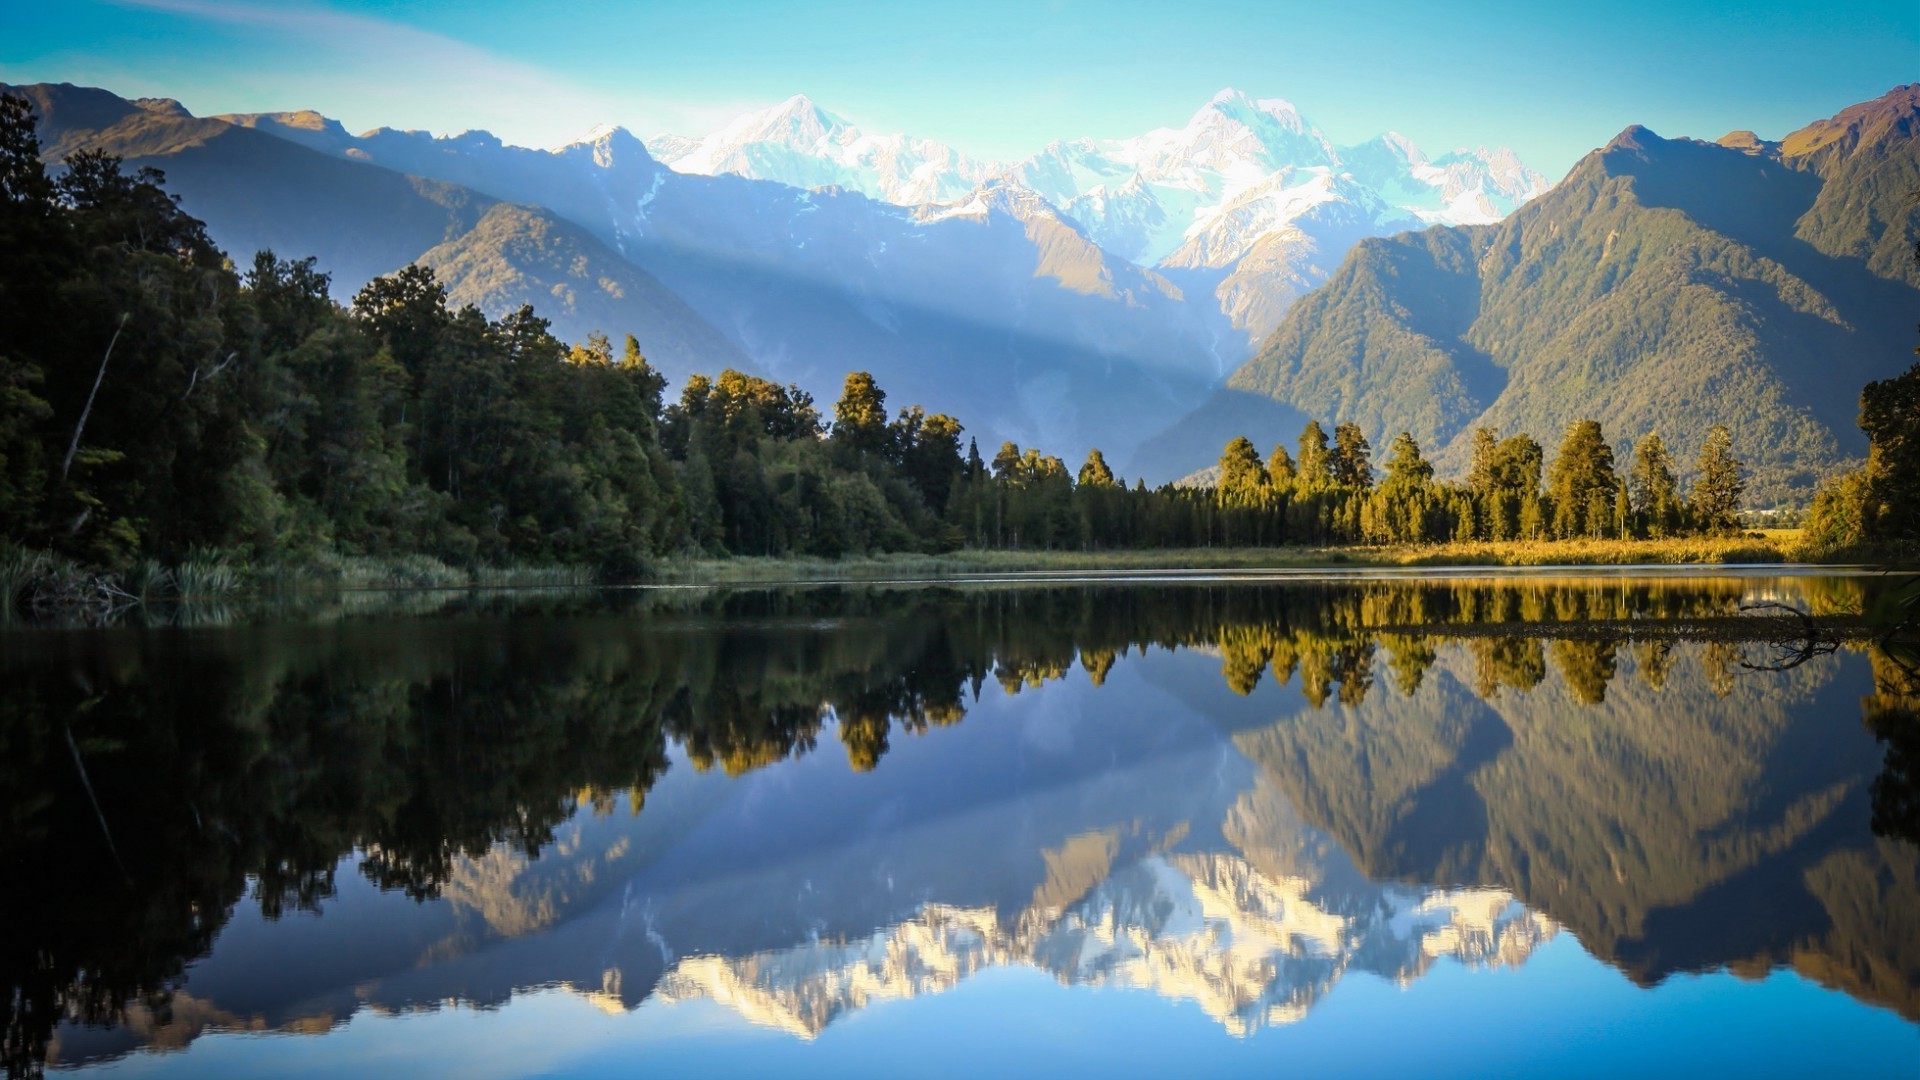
1554	826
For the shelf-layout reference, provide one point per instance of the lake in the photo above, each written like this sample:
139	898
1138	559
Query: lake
1377	824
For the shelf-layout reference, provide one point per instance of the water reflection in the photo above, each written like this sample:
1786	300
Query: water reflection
1230	795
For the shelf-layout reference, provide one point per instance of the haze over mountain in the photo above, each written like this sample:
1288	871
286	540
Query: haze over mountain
1095	292
359	221
1242	178
997	309
1665	285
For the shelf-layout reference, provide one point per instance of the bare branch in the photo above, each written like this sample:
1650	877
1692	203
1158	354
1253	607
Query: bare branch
74	446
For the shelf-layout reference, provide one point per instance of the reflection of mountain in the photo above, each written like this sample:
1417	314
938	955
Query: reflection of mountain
1248	949
1290	786
1677	819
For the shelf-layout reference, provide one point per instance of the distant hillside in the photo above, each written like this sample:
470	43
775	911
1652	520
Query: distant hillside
522	254
1664	285
359	220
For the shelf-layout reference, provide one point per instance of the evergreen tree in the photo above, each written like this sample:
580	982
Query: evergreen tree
1281	472
1481	477
1242	476
860	416
1095	473
1582	482
1405	465
1715	498
1655	492
1350	466
1890	415
1316	461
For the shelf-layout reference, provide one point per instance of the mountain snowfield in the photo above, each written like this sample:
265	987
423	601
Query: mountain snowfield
1242	176
798	143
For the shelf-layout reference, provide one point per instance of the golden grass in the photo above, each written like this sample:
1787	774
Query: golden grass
1773	546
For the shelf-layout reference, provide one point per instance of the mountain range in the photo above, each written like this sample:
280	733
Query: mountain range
815	249
1099	292
1242	176
1664	285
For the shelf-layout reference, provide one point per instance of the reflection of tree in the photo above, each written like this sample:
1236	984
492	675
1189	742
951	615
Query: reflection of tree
1587	667
1892	713
1653	659
1515	663
1680	821
266	754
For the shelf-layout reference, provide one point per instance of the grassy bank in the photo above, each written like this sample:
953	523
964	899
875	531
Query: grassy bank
1774	546
42	585
36	584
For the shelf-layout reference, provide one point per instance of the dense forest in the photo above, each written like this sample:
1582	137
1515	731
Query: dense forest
156	403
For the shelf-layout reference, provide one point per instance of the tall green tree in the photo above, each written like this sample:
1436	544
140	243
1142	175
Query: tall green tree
1486	448
1406	467
860	416
1718	485
1654	490
1350	465
1242	475
1316	461
1094	473
1582	483
1281	471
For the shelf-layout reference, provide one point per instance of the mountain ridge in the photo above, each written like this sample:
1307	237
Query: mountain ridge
1664	284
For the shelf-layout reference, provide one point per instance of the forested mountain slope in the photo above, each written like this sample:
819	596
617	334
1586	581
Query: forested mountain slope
359	221
1664	285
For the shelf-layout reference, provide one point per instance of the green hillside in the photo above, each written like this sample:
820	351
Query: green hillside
1664	285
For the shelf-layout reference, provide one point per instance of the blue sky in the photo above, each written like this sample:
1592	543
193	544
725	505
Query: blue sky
995	79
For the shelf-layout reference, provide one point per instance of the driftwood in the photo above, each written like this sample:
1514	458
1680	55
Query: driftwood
1794	648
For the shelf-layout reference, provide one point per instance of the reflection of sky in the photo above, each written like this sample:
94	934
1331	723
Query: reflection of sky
961	814
1563	1013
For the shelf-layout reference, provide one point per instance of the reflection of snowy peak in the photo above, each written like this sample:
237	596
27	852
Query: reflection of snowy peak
1249	948
796	142
803	989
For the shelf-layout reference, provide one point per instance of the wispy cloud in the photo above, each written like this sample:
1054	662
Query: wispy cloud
373	71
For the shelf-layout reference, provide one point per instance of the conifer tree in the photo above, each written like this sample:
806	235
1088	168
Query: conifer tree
1095	473
1280	468
1890	415
1715	498
860	416
1655	492
1582	482
1315	459
1350	465
1480	476
1242	475
1405	465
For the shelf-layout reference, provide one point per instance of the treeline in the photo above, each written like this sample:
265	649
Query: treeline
1331	494
156	401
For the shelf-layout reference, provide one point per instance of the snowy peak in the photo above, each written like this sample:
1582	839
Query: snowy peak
799	143
607	146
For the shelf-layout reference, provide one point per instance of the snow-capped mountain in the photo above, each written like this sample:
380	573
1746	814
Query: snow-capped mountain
1065	345
1076	299
798	143
1243	177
